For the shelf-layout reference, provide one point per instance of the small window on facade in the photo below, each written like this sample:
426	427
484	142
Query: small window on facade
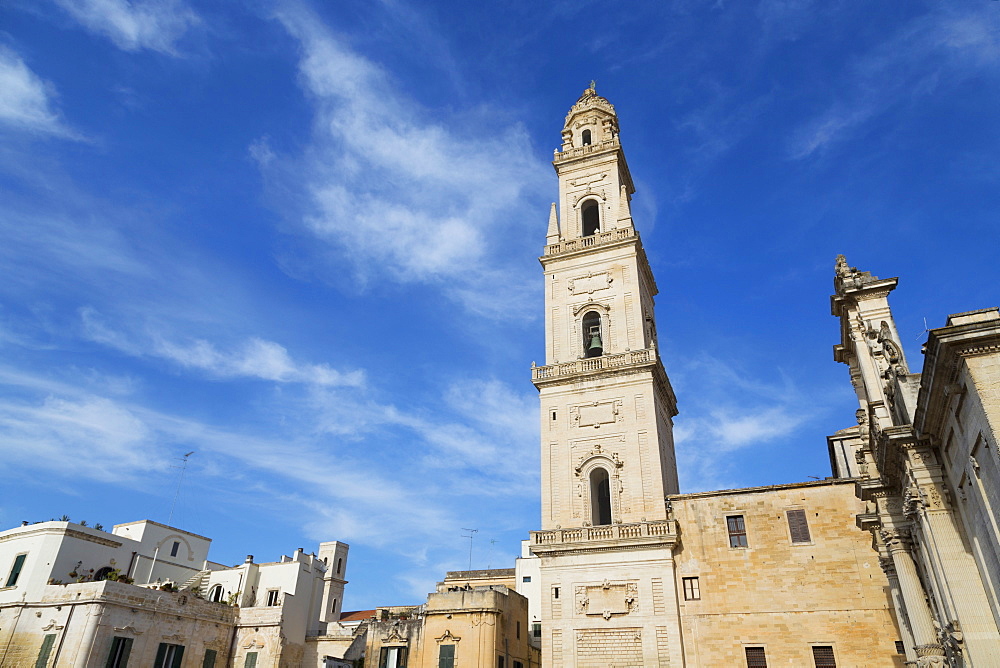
593	344
961	402
392	657
333	608
45	650
536	629
169	656
585	137
210	656
173	550
798	526
251	660
555	592
900	647
272	596
519	630
15	571
591	217
526	578
692	589
446	656
120	650
340	564
102	574
823	656
756	657
518	664
737	531
500	661
553	415
215	594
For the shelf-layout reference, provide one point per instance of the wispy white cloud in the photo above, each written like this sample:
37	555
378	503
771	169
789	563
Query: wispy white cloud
252	358
135	24
942	47
402	195
25	99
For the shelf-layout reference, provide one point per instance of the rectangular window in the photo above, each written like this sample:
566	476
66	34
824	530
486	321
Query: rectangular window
500	662
536	630
446	656
519	630
169	656
272	596
173	549
210	657
737	531
526	578
251	660
120	650
45	650
518	664
692	590
392	657
15	571
755	657
555	592
823	656
798	526
900	647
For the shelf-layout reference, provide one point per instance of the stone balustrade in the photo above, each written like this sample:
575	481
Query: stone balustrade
599	239
604	362
658	529
580	151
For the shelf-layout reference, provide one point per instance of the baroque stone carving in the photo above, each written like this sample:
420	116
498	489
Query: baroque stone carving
597	413
607	599
590	283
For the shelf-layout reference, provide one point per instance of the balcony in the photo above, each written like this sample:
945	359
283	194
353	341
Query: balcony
583	243
599	537
579	152
610	362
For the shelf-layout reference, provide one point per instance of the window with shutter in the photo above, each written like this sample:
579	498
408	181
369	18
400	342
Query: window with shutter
737	531
823	656
446	656
169	656
798	526
120	649
46	649
209	661
251	660
756	657
15	571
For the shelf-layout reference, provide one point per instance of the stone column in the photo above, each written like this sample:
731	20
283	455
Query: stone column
897	602
86	648
930	653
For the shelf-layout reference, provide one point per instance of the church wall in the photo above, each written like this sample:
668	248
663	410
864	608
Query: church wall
785	597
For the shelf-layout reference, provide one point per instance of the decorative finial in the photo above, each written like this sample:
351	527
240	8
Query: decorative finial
593	86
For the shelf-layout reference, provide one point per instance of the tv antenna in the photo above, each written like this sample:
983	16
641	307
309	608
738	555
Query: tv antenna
472	534
489	558
180	479
921	334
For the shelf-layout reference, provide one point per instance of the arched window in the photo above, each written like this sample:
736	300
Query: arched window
600	497
340	564
215	594
593	344
585	137
333	608
102	574
591	218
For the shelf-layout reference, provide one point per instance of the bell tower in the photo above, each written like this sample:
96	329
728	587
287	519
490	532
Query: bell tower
607	405
607	538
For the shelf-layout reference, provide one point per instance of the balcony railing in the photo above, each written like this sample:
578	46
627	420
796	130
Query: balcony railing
580	151
660	529
599	239
590	364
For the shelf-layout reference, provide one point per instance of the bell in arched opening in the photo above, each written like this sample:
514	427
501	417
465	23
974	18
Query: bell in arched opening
593	345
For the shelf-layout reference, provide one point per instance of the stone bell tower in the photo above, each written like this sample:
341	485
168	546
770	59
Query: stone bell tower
607	536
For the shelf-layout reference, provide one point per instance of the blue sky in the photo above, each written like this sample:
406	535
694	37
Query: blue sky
300	240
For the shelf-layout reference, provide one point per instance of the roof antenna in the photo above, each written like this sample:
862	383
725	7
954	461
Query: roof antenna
921	334
183	468
472	534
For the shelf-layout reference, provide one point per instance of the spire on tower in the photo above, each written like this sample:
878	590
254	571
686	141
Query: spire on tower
552	236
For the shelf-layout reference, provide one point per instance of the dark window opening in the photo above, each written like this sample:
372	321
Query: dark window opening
333	608
500	661
600	497
526	578
215	594
756	657
120	649
272	596
519	630
798	526
536	630
692	589
251	660
823	656
591	218
900	647
45	650
209	660
518	664
173	550
585	137
446	656
340	564
555	592
15	571
169	656
593	344
737	532
392	657
102	574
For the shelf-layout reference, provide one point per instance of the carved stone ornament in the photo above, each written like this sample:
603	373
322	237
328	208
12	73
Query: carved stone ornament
608	599
597	413
131	630
254	643
175	637
449	636
394	635
588	180
52	625
591	283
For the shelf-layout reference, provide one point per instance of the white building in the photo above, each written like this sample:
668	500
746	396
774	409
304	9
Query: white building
68	599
